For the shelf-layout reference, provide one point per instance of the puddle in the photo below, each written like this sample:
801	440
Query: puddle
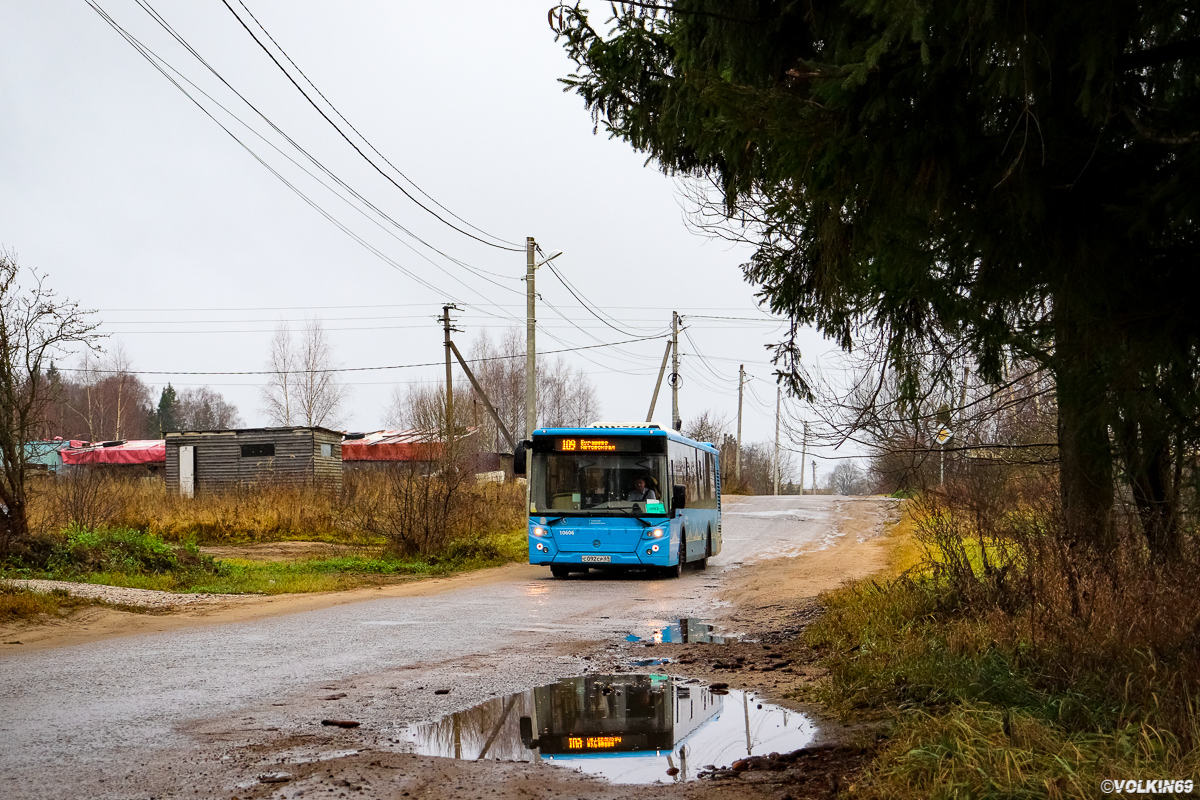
684	630
626	728
649	662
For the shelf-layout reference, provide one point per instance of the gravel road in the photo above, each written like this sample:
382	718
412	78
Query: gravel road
83	720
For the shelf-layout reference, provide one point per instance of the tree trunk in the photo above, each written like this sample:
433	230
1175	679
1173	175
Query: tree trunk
1148	463
1085	451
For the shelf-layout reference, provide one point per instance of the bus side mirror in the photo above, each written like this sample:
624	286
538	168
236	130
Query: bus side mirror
679	496
527	733
520	458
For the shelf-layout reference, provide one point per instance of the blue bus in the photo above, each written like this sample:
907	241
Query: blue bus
620	497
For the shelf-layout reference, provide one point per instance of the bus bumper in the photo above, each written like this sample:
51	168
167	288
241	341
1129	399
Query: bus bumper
548	554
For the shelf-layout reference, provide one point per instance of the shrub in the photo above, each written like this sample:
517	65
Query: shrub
83	550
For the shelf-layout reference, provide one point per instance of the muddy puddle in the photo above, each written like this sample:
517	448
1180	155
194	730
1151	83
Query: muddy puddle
686	630
627	728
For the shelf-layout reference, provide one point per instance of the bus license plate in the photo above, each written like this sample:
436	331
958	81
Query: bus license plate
597	559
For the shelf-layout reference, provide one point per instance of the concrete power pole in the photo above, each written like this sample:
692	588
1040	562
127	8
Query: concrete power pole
814	477
778	397
737	463
676	422
446	326
803	458
530	340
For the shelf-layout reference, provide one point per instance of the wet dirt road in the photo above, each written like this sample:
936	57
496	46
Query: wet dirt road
89	720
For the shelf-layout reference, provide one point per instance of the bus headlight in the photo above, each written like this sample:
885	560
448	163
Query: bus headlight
539	532
657	533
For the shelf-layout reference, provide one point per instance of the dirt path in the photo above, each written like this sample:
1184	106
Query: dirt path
99	623
229	696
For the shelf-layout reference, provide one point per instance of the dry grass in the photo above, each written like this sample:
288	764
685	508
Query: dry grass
407	511
1010	664
19	604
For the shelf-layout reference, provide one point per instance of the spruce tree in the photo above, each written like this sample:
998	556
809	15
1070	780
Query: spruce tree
167	408
1022	178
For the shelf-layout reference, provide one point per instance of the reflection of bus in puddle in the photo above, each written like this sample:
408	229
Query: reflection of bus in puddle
626	728
597	714
686	630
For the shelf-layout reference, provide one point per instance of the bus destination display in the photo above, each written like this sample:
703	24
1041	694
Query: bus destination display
579	444
592	742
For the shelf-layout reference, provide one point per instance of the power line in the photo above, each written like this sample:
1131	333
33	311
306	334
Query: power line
162	22
347	369
358	305
154	59
588	306
350	141
359	133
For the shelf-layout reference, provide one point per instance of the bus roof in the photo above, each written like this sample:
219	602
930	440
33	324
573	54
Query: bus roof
648	430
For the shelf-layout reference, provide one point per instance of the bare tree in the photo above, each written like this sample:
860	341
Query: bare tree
108	400
278	401
35	326
319	392
565	395
204	409
710	426
422	407
848	478
303	388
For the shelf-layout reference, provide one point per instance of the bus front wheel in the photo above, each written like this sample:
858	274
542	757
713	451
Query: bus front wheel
560	571
675	570
702	564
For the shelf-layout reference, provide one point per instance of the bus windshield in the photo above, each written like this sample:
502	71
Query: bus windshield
598	483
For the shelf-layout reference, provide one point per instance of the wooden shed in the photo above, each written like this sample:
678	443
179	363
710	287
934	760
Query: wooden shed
208	461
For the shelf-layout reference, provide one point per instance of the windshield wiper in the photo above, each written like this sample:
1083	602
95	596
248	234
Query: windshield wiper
630	513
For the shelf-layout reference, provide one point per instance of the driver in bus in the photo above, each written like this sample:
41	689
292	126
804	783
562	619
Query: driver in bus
641	492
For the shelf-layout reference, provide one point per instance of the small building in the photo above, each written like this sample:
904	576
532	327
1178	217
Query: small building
385	448
392	448
211	461
144	458
44	456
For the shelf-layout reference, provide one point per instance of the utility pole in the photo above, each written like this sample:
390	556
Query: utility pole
803	458
446	326
778	398
737	463
676	422
530	343
814	477
658	384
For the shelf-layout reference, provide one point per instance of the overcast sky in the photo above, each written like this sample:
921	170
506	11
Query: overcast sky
139	205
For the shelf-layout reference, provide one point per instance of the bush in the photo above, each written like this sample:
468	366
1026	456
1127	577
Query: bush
123	550
418	513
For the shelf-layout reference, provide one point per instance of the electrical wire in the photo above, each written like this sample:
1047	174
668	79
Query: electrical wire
162	22
687	335
154	60
364	138
590	307
343	369
357	149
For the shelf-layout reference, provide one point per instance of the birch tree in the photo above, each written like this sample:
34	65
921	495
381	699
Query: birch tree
303	388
